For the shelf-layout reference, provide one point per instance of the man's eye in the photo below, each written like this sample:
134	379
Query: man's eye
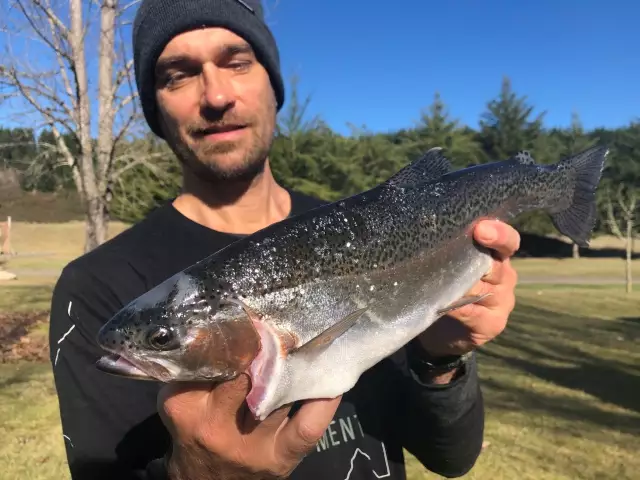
239	66
170	79
174	77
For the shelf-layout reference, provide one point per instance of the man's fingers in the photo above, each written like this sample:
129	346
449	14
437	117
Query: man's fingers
306	427
498	236
501	272
174	396
275	418
227	397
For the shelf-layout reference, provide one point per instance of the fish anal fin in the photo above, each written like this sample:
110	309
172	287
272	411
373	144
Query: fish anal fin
328	336
433	164
468	300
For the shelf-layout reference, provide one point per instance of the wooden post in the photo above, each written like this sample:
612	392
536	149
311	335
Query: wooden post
5	235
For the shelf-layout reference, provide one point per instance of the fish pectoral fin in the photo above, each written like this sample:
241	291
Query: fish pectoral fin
251	313
328	336
461	303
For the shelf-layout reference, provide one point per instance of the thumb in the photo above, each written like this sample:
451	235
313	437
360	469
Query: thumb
301	432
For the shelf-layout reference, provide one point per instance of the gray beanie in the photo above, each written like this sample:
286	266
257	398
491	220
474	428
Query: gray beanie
158	21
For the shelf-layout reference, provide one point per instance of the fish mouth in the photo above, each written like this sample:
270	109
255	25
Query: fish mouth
116	365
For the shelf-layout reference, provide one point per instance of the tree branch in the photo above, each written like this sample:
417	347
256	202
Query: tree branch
138	160
611	219
63	31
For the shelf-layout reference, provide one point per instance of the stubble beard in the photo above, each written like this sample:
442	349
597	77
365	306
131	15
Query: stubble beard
206	160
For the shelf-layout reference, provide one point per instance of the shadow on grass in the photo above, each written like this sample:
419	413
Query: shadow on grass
577	412
24	373
21	298
533	245
590	355
635	320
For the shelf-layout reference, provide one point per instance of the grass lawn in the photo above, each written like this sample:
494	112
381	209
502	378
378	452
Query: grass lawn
578	268
32	445
561	385
561	388
44	249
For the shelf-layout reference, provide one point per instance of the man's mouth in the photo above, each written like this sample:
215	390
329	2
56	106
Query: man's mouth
221	130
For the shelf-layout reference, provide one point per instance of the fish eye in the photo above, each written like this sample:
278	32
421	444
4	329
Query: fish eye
162	338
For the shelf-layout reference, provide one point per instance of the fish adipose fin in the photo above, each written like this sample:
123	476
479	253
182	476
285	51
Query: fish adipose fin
433	164
523	157
578	220
461	303
328	336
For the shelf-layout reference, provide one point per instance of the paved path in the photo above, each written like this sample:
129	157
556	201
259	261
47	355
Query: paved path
523	279
571	280
35	272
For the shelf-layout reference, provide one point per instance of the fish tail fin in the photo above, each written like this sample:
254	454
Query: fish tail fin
578	220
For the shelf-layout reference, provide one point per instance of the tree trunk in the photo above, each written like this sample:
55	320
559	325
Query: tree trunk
63	96
629	244
96	224
105	92
576	251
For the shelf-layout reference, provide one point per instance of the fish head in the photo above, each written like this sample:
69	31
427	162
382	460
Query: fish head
181	330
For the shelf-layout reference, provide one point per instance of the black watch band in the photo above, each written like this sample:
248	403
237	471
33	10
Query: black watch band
421	363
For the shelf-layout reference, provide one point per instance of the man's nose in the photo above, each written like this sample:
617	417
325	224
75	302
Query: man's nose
218	91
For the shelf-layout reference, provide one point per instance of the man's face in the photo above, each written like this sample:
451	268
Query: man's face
216	104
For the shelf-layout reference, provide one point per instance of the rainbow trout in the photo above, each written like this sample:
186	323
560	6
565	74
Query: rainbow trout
308	304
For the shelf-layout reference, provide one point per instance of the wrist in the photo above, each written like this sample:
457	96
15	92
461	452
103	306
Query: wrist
185	463
197	463
438	368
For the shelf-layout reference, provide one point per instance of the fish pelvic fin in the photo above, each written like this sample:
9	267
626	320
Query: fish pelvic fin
328	336
468	300
578	220
433	164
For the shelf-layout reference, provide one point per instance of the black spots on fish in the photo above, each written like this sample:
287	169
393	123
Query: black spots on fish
212	290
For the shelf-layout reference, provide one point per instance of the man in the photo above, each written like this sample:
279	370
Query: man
208	76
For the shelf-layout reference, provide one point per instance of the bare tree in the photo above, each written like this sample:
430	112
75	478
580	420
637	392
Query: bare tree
621	214
57	92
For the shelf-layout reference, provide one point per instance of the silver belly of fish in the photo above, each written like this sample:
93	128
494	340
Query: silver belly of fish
396	305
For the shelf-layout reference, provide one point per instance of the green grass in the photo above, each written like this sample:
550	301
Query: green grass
50	246
560	384
26	294
32	445
560	387
574	268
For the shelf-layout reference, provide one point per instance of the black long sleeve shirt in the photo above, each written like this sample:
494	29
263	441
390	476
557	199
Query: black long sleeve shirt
111	427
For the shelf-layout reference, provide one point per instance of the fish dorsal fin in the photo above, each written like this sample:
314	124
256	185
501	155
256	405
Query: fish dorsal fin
328	336
524	157
431	165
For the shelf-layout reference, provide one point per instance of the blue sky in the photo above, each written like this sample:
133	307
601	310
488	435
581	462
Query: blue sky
378	63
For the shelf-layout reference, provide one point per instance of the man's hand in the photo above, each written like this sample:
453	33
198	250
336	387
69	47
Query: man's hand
468	327
216	437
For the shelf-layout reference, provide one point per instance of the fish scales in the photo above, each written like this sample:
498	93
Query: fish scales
392	256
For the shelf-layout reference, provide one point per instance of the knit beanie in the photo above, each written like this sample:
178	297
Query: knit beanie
158	21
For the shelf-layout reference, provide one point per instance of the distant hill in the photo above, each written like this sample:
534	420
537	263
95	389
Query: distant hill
65	206
36	207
